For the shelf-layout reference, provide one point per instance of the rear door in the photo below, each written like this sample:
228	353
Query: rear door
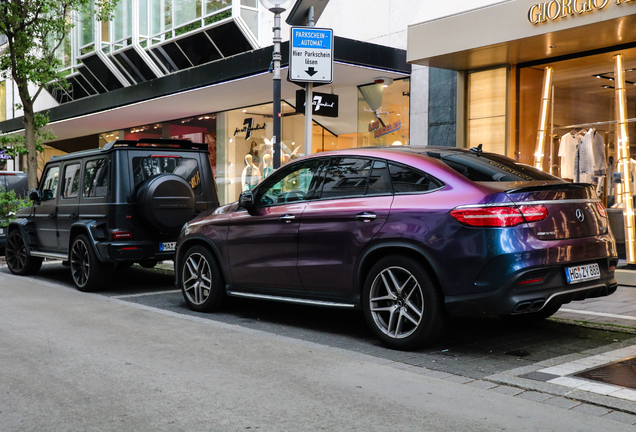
354	204
68	204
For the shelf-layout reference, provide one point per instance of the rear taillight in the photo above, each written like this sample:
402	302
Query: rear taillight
601	209
499	217
118	235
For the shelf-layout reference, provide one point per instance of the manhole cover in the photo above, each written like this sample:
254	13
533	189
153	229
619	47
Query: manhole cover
622	373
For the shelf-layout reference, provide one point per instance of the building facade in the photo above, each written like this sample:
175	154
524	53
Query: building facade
199	70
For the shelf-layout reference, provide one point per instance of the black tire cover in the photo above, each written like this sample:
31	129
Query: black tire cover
165	201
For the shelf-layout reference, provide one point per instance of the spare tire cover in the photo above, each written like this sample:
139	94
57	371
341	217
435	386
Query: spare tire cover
166	202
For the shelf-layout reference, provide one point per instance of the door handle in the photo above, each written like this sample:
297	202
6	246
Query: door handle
73	216
51	215
287	218
366	216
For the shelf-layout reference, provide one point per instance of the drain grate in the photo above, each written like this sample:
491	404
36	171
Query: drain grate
622	373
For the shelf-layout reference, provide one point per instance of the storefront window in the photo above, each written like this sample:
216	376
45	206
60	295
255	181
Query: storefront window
3	100
383	113
122	22
486	109
582	114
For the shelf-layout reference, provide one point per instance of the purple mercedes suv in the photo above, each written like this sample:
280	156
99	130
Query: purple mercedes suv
411	235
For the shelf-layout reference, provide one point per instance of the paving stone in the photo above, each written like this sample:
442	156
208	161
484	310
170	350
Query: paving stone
538	376
591	410
534	396
512	391
621	417
561	402
435	374
484	385
458	379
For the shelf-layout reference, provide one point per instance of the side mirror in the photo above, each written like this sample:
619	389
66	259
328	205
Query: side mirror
246	200
35	195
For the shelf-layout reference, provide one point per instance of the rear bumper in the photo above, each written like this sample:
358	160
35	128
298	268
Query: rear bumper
132	251
516	297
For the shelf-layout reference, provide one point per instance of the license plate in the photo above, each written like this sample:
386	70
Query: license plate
166	247
582	273
1	231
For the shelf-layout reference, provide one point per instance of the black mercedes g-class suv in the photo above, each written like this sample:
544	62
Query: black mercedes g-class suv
112	207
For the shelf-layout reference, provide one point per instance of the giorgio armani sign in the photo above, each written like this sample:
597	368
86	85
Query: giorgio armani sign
558	9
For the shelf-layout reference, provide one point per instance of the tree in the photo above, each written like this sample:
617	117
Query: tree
35	30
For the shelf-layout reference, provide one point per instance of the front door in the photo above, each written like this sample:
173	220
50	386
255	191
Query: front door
263	243
45	212
352	207
68	204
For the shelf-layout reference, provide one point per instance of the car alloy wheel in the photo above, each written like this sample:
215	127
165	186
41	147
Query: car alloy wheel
18	259
402	304
201	280
396	302
197	279
89	274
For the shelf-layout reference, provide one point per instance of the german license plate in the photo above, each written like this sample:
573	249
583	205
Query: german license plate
167	247
582	273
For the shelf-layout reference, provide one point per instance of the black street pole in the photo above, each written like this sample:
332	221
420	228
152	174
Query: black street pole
276	139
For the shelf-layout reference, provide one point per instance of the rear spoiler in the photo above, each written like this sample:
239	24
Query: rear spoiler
542	186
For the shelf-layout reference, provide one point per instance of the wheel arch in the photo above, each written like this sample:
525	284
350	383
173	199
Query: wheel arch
84	227
377	252
200	241
22	226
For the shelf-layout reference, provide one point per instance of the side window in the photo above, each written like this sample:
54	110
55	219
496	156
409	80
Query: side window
49	185
380	180
346	177
96	178
71	181
408	180
289	186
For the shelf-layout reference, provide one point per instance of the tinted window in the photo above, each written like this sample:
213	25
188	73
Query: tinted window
346	177
290	185
408	180
96	178
186	168
71	181
379	181
49	185
491	167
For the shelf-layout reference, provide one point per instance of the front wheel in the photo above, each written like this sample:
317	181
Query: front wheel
201	280
18	259
89	274
402	304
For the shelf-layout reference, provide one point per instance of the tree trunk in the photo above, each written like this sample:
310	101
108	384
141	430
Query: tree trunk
29	134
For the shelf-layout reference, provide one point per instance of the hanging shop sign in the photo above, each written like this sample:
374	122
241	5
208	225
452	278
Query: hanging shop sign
248	127
557	9
324	104
311	55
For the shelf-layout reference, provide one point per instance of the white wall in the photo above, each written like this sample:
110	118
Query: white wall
430	10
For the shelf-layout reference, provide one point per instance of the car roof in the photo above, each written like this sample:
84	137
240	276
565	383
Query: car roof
143	144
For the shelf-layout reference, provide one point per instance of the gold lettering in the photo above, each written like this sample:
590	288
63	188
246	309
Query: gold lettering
532	17
596	4
585	7
555	6
566	8
542	18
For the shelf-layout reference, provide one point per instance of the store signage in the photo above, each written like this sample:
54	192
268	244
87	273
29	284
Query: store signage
378	131
324	104
4	155
311	55
556	9
248	127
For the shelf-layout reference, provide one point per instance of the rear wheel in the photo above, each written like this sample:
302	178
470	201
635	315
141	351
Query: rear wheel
402	305
201	280
89	274
18	259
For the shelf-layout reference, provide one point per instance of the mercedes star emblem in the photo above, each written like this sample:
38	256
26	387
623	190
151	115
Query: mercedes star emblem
579	215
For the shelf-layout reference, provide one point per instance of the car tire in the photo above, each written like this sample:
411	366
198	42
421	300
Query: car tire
89	273
400	285
148	264
201	280
17	256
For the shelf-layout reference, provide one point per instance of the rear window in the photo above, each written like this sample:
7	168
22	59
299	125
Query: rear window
488	167
150	166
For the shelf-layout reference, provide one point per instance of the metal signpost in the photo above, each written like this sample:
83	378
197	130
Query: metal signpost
310	61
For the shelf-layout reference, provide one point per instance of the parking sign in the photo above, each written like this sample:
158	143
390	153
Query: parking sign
311	55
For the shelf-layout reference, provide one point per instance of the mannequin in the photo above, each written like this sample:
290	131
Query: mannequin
267	165
251	175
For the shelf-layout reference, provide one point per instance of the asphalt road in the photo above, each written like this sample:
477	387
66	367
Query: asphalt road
75	361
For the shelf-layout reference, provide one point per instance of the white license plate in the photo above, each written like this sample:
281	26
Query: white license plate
1	231
166	247
582	273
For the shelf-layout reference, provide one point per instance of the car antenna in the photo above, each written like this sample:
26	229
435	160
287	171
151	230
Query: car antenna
477	149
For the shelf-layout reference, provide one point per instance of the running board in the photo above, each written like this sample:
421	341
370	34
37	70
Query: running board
49	255
291	300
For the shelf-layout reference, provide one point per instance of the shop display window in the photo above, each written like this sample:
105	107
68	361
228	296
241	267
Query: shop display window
486	109
383	113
